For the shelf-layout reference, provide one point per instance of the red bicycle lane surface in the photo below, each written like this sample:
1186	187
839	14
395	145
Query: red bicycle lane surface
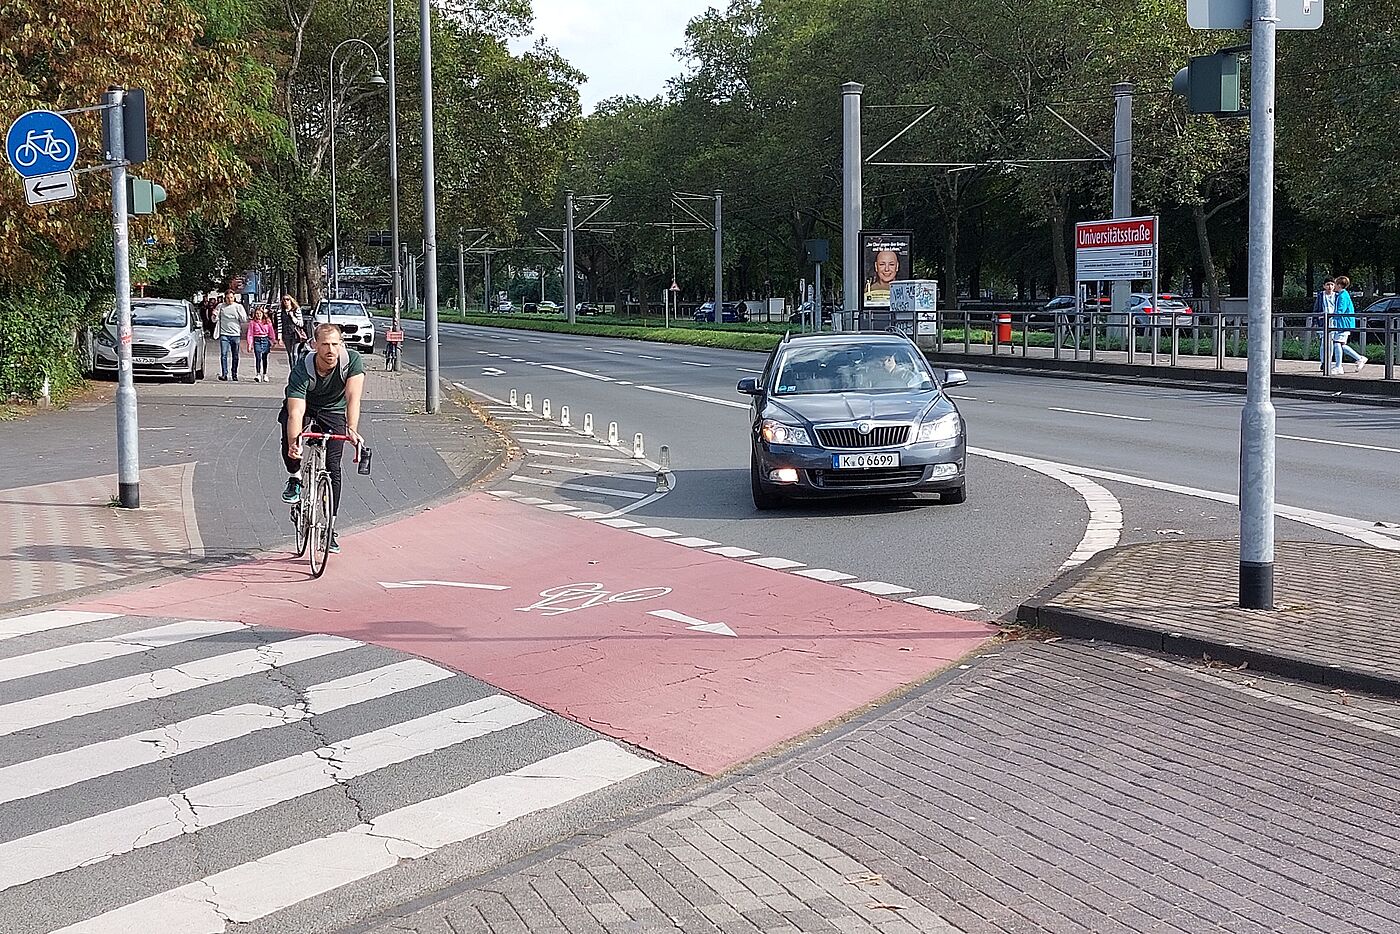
704	660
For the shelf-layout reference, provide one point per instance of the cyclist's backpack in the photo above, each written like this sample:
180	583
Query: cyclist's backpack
308	363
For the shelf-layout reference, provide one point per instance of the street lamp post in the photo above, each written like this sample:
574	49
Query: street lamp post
375	79
394	172
430	283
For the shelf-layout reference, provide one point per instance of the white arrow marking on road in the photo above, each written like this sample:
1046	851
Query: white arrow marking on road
718	629
408	585
492	371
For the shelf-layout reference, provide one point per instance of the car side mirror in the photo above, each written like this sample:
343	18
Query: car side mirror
953	378
749	386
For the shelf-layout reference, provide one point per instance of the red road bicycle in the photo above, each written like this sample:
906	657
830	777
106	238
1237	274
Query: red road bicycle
314	514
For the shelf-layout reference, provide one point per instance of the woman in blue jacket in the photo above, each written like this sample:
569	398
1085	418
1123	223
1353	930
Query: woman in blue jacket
1342	321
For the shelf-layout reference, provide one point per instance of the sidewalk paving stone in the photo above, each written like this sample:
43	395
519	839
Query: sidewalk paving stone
1336	619
1060	787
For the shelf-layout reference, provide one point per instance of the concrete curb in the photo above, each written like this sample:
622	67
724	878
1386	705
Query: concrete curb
1041	611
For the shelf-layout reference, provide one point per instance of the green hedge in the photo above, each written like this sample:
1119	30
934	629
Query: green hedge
37	340
697	337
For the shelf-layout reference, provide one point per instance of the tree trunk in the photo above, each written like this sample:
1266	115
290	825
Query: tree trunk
310	254
1057	247
1212	282
950	256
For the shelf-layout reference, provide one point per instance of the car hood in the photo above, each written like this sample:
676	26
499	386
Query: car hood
146	334
823	408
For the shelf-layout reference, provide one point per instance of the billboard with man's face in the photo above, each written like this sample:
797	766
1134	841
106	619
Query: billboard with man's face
885	258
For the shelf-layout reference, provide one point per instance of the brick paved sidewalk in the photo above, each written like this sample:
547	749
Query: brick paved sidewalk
1336	620
211	477
1062	788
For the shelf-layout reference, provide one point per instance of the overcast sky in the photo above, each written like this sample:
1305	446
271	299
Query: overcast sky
623	46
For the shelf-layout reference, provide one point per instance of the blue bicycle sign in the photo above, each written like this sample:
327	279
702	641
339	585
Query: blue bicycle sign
41	142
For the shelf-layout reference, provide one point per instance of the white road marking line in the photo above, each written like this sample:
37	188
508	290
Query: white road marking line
700	625
531	501
572	372
558	507
776	564
583	457
101	650
256	889
113	833
654	532
582	446
693	542
646	356
729	551
825	574
879	588
591	515
576	487
637	477
504	494
1126	418
47	620
962	398
754	372
693	363
533	435
1342	444
698	398
619	523
616	353
946	604
1105	512
62	769
623	382
109	695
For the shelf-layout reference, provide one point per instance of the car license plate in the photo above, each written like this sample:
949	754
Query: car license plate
864	461
143	361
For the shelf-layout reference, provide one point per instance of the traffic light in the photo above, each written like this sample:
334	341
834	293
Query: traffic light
1211	84
142	196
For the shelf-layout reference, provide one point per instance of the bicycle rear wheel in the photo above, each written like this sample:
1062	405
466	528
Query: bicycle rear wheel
322	525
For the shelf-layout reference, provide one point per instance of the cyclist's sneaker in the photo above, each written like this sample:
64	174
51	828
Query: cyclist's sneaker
292	494
335	544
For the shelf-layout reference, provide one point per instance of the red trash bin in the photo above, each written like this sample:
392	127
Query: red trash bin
1004	328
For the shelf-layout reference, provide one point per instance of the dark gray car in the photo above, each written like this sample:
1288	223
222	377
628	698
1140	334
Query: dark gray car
854	414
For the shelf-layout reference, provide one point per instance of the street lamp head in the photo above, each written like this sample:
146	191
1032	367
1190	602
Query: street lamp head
377	79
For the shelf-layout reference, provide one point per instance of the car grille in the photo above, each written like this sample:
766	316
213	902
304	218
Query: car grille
873	477
881	436
349	329
149	350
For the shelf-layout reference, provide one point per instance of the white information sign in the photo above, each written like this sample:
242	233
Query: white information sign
1120	250
1236	14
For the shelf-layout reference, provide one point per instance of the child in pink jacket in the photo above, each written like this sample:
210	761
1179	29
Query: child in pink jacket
261	334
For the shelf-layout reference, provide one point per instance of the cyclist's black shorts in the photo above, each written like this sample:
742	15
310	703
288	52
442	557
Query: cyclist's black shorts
331	423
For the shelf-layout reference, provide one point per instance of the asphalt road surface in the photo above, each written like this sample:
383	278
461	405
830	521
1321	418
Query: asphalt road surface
1060	468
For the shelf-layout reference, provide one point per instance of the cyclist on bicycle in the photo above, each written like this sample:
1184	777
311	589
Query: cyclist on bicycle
325	387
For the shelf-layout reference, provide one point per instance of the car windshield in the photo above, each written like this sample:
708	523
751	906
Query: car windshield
352	309
151	315
851	368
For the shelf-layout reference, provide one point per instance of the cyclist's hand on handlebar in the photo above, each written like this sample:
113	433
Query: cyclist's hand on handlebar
294	448
359	439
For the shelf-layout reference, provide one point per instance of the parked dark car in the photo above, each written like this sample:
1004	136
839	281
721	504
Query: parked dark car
853	414
730	313
1375	314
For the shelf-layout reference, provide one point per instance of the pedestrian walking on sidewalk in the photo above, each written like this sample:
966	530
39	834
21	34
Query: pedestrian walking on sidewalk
293	327
1345	323
261	334
230	317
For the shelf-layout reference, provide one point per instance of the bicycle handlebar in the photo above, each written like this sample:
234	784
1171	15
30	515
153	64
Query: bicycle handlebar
321	436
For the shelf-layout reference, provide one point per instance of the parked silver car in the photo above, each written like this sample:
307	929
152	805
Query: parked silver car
166	340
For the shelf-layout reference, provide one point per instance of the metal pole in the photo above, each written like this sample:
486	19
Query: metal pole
461	276
1257	422
394	173
335	208
490	302
430	283
1122	188
719	260
817	302
569	308
850	198
128	455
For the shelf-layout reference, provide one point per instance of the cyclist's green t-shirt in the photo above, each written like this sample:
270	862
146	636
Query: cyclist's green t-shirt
327	394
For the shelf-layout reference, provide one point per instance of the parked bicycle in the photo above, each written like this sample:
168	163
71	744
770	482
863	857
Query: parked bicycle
313	514
393	341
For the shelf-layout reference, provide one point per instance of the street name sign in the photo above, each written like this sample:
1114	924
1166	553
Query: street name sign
41	142
1123	249
1237	14
46	189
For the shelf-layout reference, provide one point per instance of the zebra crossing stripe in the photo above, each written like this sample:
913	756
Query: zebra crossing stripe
109	695
114	833
47	620
263	886
62	769
101	650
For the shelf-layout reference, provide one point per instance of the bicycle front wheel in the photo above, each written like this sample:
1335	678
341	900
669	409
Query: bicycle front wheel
322	525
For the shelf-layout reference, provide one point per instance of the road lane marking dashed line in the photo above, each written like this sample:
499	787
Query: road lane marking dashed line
1126	418
620	523
826	575
1342	444
692	542
695	396
654	532
776	564
729	551
576	487
945	604
879	588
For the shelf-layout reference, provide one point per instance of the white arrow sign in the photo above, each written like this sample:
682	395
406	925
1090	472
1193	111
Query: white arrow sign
492	371
409	585
699	625
46	189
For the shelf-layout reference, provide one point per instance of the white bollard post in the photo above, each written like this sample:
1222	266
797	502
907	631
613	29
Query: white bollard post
514	399
638	450
544	408
529	403
612	433
564	416
588	424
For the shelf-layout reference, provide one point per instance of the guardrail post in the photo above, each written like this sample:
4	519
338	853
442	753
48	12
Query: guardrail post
1093	336
514	399
564	416
1220	341
612	434
545	410
529	403
1176	338
967	332
588	424
638	448
1059	333
1392	326
1026	334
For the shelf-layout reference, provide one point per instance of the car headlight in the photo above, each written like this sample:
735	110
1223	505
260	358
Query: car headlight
943	428
775	432
180	343
105	338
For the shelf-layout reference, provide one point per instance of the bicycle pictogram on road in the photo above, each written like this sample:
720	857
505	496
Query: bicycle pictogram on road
570	598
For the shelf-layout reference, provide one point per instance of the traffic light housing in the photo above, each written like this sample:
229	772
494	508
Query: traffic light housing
142	195
1211	84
